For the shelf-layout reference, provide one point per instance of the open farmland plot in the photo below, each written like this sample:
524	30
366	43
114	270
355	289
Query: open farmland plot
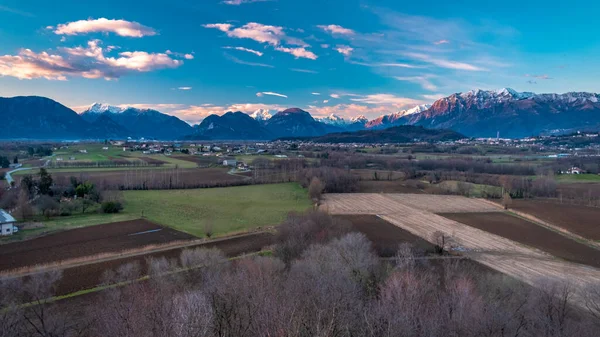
509	257
530	234
226	210
581	220
89	241
154	179
385	237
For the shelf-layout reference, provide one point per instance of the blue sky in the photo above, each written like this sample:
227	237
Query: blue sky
193	58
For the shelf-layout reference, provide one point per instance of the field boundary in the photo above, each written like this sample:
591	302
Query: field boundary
104	257
555	228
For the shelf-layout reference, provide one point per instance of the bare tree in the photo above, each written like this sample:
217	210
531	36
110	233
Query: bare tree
315	189
506	200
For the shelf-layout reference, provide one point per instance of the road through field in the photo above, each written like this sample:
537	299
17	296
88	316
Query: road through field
414	214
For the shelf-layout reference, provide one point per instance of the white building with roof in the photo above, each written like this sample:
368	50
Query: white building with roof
7	223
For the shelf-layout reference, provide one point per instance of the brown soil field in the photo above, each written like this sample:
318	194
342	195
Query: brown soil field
530	234
154	178
88	241
90	276
527	264
385	237
581	220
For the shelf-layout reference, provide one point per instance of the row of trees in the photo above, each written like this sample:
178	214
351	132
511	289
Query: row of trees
329	284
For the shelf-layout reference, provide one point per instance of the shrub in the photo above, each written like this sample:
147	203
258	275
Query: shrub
111	207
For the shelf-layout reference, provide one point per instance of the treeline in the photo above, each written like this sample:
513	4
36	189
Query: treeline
330	284
106	163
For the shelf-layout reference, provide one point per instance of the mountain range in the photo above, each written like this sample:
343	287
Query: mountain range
476	113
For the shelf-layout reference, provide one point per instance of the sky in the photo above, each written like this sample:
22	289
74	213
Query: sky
194	58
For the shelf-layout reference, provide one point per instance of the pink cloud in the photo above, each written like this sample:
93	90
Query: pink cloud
119	27
298	52
336	29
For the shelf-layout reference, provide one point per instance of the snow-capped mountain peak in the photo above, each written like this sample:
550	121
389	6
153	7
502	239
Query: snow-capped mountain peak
359	119
100	108
417	109
261	115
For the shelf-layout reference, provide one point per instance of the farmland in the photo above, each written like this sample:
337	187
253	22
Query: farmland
385	237
89	241
414	214
226	209
581	220
530	234
229	209
155	178
89	276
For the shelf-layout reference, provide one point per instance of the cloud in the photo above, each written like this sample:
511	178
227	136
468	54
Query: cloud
251	107
168	52
252	51
444	63
336	29
272	35
351	110
344	50
270	93
298	52
388	99
393	65
241	2
184	88
421	80
325	101
103	25
539	77
15	11
315	93
434	97
253	64
337	96
441	42
304	71
324	46
87	62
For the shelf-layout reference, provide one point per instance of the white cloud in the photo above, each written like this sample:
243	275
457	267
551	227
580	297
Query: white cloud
241	2
298	52
15	11
434	97
334	96
184	88
87	62
344	50
304	71
444	63
539	77
325	101
324	46
270	93
315	93
252	51
388	99
421	80
348	111
253	64
254	31
103	25
393	65
336	29
188	56
441	42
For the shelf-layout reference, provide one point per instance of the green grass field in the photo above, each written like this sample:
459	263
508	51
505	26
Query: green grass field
229	209
577	178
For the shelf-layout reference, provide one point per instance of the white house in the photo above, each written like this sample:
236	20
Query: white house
230	162
7	223
574	170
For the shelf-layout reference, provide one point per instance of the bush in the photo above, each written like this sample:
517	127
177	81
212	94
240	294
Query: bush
111	207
